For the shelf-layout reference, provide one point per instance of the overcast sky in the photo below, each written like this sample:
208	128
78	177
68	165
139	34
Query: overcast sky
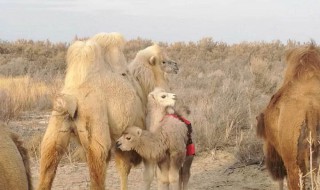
229	21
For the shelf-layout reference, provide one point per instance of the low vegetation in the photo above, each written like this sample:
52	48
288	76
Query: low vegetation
225	86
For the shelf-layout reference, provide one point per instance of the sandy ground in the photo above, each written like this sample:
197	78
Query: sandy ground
209	170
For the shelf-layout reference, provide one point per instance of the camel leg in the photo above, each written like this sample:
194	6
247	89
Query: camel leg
148	174
53	146
124	161
185	172
176	162
163	175
95	139
174	178
293	177
123	166
280	182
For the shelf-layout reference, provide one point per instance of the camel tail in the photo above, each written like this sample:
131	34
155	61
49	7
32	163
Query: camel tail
25	158
260	126
275	163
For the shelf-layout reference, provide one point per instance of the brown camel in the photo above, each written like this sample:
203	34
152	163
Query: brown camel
14	162
291	118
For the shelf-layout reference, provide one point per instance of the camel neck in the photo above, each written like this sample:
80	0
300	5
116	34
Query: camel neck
161	81
154	117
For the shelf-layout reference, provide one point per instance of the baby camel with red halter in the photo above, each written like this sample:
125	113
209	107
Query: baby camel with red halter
167	143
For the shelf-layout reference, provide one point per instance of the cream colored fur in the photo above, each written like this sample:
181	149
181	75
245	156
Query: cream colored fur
164	144
97	105
150	67
166	147
112	45
83	58
14	162
159	102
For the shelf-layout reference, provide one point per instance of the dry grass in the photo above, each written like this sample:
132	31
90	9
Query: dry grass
225	86
23	93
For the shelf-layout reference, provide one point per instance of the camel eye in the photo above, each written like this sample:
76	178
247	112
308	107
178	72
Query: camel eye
163	62
163	96
128	138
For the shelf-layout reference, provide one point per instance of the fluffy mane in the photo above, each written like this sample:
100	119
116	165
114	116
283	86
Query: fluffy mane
302	63
142	70
83	58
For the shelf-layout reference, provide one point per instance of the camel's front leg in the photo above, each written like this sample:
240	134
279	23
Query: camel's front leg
123	166
176	162
53	146
148	174
163	175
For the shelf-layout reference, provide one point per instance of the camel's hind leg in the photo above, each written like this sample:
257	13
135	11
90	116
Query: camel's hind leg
176	162
124	161
163	174
53	145
148	174
96	141
293	178
185	172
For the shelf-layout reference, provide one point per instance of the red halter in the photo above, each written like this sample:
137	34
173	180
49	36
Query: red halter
190	146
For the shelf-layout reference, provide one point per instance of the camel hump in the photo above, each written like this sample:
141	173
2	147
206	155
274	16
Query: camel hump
302	63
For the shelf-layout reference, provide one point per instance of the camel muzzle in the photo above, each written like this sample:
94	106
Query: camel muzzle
118	144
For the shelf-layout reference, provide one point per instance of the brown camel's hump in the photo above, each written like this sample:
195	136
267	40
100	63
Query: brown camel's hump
302	63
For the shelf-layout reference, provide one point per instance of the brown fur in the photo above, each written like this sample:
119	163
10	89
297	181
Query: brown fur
292	114
14	160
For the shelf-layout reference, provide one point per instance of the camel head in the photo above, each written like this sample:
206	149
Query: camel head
159	98
150	68
130	139
160	61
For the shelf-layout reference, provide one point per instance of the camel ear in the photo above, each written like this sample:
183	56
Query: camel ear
139	132
152	96
64	103
152	60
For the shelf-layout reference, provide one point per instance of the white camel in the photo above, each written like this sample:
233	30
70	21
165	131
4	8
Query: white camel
97	105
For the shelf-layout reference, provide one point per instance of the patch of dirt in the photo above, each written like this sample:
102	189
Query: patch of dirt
209	170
